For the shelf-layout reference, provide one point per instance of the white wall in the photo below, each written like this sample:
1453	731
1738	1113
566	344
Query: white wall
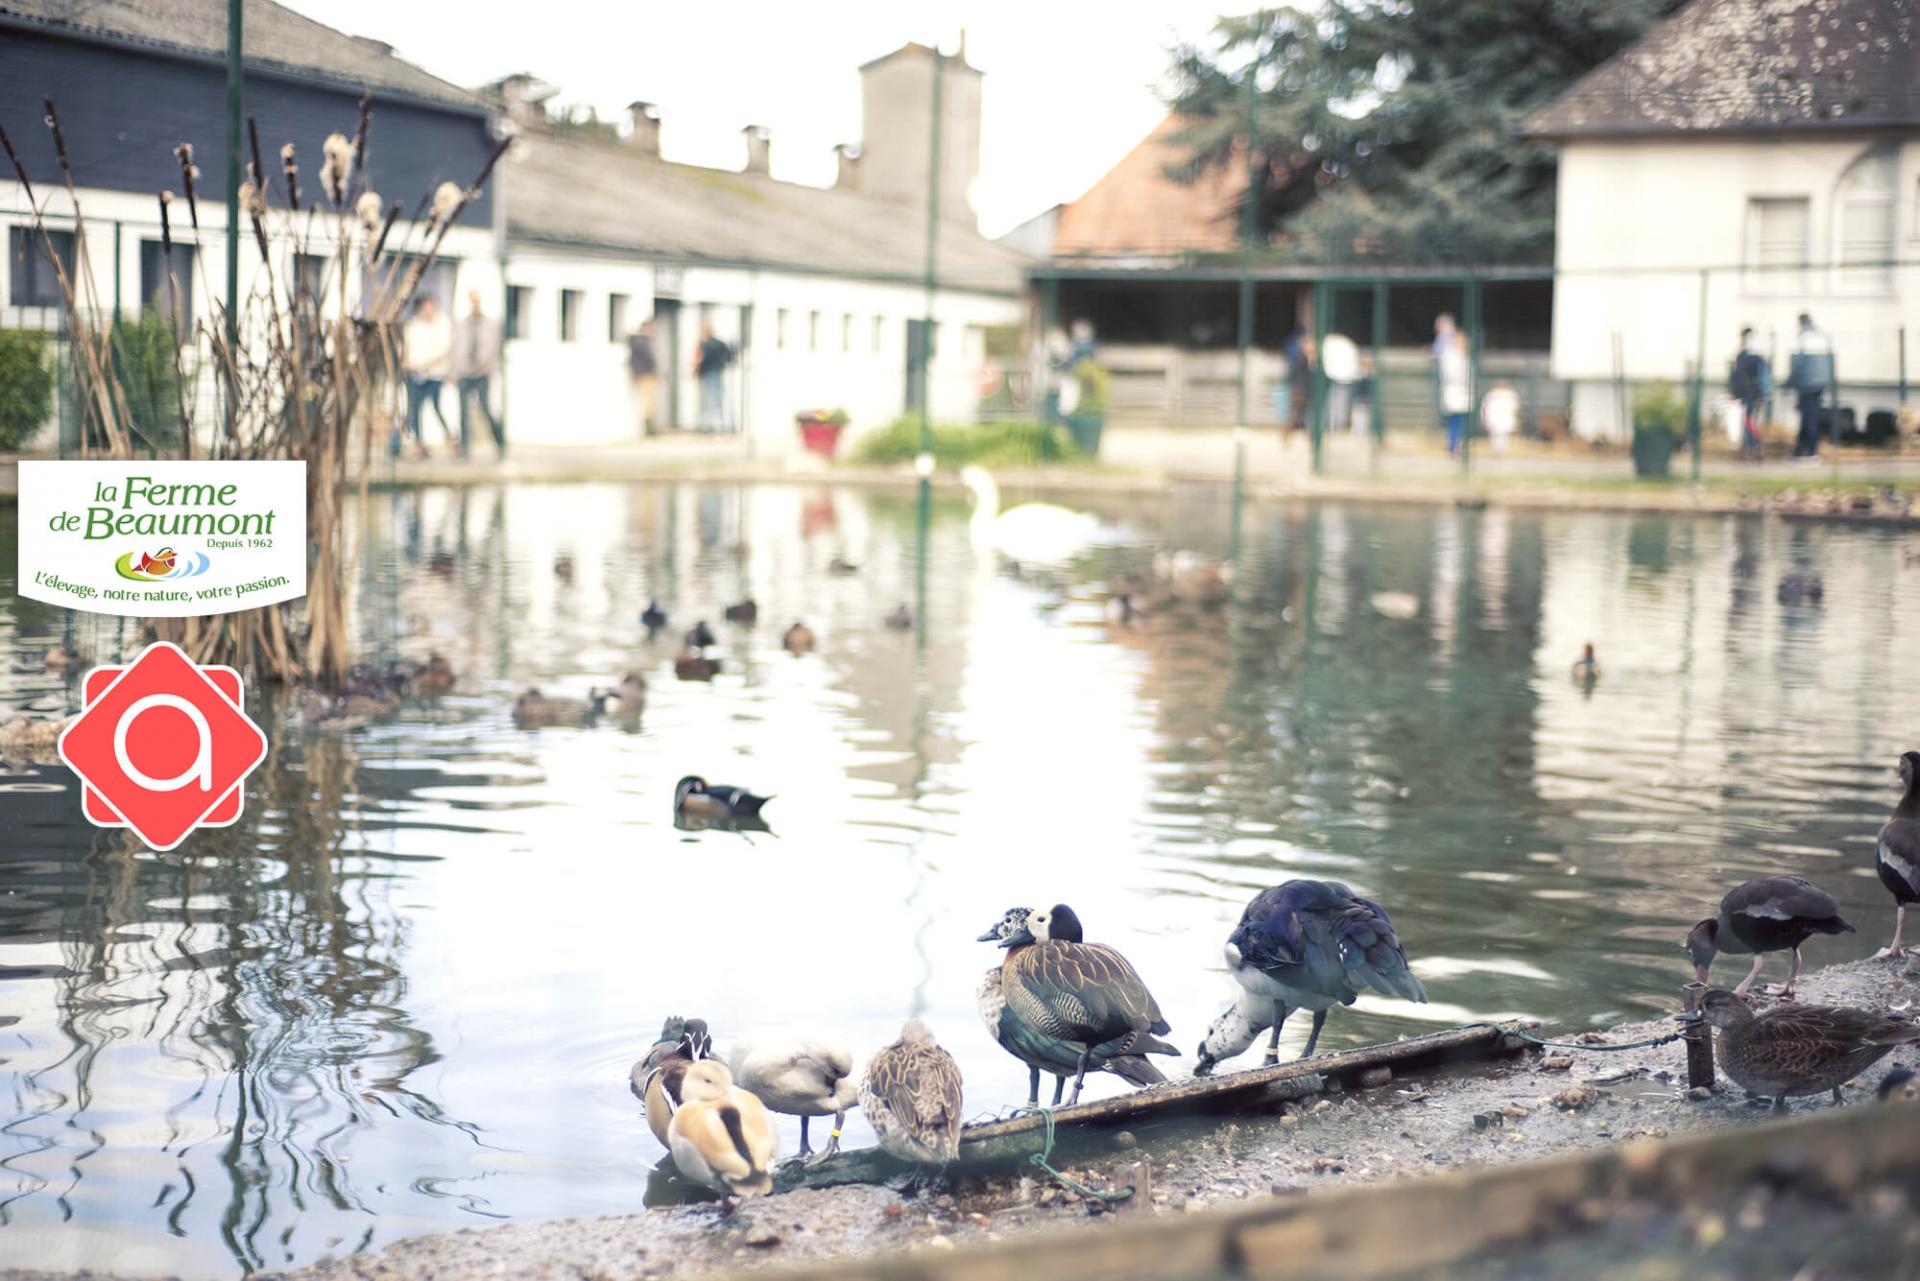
1638	220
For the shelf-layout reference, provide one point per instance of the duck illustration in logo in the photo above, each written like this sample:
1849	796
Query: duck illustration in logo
160	566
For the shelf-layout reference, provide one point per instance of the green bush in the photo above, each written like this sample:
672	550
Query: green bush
26	385
144	358
1013	444
1658	410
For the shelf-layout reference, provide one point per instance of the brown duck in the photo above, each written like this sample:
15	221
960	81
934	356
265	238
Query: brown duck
1802	1049
911	1097
655	1080
692	665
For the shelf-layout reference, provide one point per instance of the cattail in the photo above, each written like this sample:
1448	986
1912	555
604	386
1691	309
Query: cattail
19	169
291	168
386	227
337	168
251	200
188	172
59	140
447	199
369	209
256	171
360	132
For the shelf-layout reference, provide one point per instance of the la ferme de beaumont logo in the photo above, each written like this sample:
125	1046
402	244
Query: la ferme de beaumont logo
183	538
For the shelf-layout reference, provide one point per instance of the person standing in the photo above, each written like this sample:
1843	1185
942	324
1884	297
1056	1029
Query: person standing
643	366
1456	378
1750	383
428	339
1811	375
710	365
1297	353
476	359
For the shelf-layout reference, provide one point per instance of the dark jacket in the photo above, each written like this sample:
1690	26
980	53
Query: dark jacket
640	357
715	355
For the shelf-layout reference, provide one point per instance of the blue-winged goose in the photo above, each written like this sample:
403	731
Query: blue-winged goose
1305	945
1800	1049
799	1073
1773	914
721	1135
911	1097
1897	854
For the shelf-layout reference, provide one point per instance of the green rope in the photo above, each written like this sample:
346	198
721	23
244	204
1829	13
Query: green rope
1040	1159
1668	1039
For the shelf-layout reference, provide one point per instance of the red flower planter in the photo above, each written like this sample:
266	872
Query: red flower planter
819	436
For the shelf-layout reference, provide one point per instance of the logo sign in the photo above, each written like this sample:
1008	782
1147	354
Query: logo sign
162	746
163	539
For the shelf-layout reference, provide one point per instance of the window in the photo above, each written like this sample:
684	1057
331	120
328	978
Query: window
813	331
154	294
1863	223
846	333
519	310
616	317
310	277
35	283
1777	244
570	315
780	330
879	333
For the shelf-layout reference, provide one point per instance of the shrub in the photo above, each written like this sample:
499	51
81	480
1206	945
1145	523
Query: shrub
26	385
1010	444
1658	410
143	357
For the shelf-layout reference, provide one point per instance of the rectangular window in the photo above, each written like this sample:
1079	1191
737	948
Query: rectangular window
154	294
519	310
1777	241
570	315
33	280
780	329
813	331
846	333
310	278
879	333
1866	237
616	317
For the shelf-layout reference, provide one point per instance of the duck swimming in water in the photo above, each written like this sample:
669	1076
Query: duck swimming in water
1773	914
911	1096
653	618
797	639
1586	668
1897	853
743	612
534	710
694	795
691	665
433	677
901	619
1802	1049
700	636
721	1135
626	700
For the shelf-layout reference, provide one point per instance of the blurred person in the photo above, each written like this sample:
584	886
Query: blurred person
1500	415
1456	378
1750	382
710	363
1082	346
1811	374
643	365
428	338
476	359
1297	352
1340	363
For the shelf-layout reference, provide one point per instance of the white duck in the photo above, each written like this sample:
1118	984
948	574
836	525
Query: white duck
1031	533
803	1073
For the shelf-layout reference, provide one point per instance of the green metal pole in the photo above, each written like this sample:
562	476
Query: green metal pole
1473	326
117	228
233	194
1249	229
1699	379
933	240
1317	412
1376	400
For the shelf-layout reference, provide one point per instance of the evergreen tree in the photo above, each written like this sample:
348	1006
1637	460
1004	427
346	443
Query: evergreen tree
1389	129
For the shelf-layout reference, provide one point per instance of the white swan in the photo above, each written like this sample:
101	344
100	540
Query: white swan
1031	533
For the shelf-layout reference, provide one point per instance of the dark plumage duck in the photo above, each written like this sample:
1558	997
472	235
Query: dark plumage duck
534	710
1083	993
626	700
1305	945
653	618
563	567
1800	1049
901	619
1586	668
797	639
1801	589
911	1096
743	612
440	564
691	665
655	1079
694	795
1897	853
433	677
1126	1057
700	636
1773	914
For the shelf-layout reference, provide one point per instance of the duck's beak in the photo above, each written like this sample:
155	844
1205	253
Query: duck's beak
1021	939
989	936
1699	972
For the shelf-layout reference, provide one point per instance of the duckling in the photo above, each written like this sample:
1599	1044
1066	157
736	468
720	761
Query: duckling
841	567
1586	668
694	795
30	740
721	1135
1768	915
435	676
1126	1058
700	636
799	1073
797	639
743	612
1802	1049
534	710
901	619
1083	993
653	618
1305	945
911	1095
1897	853
691	665
1801	589
655	1079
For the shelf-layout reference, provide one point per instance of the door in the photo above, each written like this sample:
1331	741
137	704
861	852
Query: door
666	328
919	353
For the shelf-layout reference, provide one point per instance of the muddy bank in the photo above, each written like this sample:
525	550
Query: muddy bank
1538	1105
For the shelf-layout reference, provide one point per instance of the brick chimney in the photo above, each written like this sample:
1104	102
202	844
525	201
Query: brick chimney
759	149
848	155
643	128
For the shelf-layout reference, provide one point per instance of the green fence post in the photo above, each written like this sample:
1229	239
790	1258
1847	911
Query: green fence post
1317	415
1698	405
1376	395
1472	319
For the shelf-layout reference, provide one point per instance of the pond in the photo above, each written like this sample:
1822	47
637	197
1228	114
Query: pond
402	996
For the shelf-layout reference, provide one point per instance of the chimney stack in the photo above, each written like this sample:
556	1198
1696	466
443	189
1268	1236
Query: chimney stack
759	149
849	170
643	128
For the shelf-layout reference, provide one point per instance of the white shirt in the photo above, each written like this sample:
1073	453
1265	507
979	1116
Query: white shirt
429	346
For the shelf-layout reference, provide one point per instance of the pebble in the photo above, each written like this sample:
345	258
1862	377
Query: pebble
893	1210
762	1238
1576	1097
1328	1164
1699	1094
1125	1139
1556	1063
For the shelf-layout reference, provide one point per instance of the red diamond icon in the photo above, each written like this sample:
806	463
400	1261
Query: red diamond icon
162	746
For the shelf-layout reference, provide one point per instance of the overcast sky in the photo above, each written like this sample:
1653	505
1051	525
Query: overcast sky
1069	87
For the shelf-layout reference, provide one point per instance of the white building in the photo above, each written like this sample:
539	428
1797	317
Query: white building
819	291
1758	158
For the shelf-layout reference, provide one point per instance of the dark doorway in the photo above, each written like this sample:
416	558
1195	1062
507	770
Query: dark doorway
666	330
919	352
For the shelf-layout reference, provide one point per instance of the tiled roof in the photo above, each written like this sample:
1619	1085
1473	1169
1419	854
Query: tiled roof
275	37
1753	64
609	195
1137	210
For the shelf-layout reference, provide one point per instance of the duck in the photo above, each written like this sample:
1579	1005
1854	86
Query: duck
799	1072
653	618
1126	1057
534	710
626	700
1030	533
1305	945
721	1135
435	676
563	567
691	665
1083	993
1897	852
1801	589
1801	1049
655	1079
32	740
744	611
700	636
797	639
440	564
841	567
911	1096
1773	914
1586	668
901	619
694	795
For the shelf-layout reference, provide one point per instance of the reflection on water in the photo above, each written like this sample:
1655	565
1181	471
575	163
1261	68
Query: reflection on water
402	995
